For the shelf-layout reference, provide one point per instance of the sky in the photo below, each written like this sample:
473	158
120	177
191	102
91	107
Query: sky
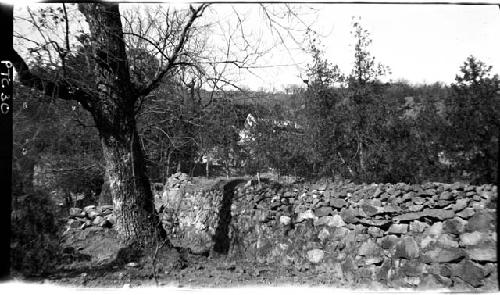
420	43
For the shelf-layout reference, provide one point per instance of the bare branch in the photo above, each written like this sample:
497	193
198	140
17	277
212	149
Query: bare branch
61	89
195	13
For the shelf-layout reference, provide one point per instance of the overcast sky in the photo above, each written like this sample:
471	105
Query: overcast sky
420	43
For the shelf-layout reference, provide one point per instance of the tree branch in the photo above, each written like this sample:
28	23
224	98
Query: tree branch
195	13
50	88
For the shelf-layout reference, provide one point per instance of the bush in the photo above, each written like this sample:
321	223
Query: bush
35	235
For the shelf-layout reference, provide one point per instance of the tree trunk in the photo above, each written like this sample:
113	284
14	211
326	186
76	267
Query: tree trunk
136	220
113	110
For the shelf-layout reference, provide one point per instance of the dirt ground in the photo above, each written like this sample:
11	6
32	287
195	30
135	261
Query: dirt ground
92	259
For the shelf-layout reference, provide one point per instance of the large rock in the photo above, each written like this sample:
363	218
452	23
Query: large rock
369	248
398	228
388	241
75	212
349	215
481	221
285	220
460	205
370	210
306	215
466	213
331	221
470	273
440	214
315	256
443	255
338	203
72	223
471	239
435	230
323	211
483	253
407	248
454	226
408	216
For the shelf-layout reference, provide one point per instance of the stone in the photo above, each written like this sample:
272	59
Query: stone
426	241
471	239
92	214
369	248
412	268
446	195
335	221
88	208
417	226
285	220
388	241
415	208
430	282
478	206
111	219
408	217
98	220
105	208
444	255
446	241
306	215
483	253
466	213
315	256
377	192
435	230
457	186
391	208
74	212
407	248
340	233
375	222
349	215
398	228
323	211
453	226
470	273
338	203
440	214
132	265
481	221
369	210
460	205
72	223
323	234
374	260
375	232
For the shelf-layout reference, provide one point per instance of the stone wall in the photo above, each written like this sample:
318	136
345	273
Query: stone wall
437	235
426	236
190	216
417	236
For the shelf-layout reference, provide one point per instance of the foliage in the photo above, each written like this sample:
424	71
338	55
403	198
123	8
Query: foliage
55	132
359	128
35	238
473	117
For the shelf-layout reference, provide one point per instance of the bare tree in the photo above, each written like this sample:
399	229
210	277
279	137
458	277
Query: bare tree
118	66
112	100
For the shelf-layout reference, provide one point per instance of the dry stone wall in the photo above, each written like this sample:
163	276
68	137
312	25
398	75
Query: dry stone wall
426	236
